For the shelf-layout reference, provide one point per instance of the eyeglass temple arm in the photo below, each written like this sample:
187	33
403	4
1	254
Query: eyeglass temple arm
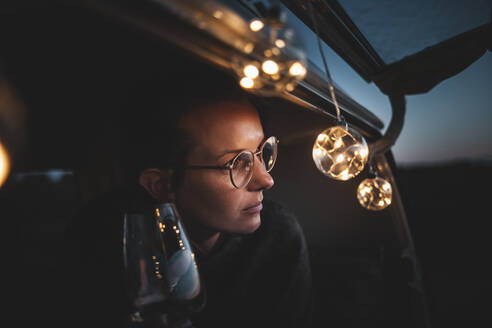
225	167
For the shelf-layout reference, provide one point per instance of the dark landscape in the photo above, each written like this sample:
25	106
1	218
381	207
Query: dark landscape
448	211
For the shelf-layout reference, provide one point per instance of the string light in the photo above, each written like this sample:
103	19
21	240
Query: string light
297	69
340	153
280	43
273	67
374	193
270	67
256	25
251	71
247	83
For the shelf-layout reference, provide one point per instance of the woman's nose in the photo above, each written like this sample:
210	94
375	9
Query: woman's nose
261	179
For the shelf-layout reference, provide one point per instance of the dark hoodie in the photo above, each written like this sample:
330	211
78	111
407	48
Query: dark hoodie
262	279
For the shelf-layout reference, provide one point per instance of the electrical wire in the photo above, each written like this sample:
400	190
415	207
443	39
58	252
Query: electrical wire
323	57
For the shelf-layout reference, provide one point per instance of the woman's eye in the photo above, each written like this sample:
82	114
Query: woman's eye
228	163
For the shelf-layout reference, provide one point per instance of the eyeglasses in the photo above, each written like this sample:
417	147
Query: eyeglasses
242	165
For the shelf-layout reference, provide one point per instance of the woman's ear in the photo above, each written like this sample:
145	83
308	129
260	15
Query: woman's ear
156	182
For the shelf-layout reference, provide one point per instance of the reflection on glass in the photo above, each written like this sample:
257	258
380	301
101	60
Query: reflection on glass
162	277
179	267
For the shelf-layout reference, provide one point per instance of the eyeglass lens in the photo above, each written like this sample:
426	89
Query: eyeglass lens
269	153
242	168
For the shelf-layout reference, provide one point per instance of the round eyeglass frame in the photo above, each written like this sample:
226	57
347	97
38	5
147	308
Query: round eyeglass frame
230	164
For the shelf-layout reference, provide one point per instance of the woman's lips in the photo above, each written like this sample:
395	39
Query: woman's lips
254	209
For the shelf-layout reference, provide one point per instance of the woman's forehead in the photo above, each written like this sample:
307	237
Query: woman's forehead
222	127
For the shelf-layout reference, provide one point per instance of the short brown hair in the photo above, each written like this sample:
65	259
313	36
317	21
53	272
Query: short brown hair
153	137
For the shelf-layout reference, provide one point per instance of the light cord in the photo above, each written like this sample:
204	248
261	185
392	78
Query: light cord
328	76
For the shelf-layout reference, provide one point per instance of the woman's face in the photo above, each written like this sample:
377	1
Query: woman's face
219	131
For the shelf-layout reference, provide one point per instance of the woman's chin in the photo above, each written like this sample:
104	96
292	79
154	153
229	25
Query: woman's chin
250	224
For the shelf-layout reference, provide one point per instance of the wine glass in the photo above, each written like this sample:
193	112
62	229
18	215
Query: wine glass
163	281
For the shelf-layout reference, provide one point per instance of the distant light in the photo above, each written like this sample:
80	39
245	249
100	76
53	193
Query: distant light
251	71
4	164
247	83
256	25
270	67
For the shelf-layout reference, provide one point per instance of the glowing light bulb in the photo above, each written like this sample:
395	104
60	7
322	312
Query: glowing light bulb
269	67
218	14
4	165
339	143
374	194
280	64
297	69
340	153
246	83
256	25
249	47
251	71
322	137
344	175
280	43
